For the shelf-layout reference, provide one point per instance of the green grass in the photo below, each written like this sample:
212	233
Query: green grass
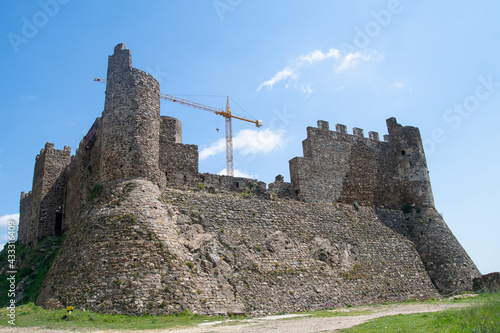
36	264
29	315
483	315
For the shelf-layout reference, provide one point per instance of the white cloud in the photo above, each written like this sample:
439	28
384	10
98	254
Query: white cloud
280	76
351	59
343	62
4	223
4	220
238	173
348	61
340	88
248	141
318	55
215	148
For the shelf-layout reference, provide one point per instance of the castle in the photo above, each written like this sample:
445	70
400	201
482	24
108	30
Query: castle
145	232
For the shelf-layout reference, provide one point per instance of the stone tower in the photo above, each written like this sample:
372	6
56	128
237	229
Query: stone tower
411	165
42	208
349	168
131	122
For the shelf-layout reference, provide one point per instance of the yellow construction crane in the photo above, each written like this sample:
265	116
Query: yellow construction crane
221	112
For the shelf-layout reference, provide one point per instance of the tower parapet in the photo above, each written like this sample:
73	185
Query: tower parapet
352	168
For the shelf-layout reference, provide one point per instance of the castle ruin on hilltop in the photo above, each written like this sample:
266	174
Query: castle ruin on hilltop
146	232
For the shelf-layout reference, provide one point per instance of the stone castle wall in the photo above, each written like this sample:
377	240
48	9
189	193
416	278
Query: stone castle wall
447	263
83	173
351	168
137	250
24	217
178	161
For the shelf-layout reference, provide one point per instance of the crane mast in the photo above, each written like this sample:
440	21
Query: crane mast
221	112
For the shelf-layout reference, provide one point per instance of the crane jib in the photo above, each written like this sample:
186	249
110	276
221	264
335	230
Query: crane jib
226	114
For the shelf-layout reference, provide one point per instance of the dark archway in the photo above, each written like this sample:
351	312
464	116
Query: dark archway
58	226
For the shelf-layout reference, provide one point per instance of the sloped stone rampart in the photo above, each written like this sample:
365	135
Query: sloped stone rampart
137	250
446	261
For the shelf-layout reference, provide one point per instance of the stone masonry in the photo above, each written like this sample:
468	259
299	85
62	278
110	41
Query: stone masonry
145	232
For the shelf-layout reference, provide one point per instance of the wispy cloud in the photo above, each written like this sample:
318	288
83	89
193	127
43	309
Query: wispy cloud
248	141
280	76
342	63
352	59
317	55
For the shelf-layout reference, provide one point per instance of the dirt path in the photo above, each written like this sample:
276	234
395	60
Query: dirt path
292	324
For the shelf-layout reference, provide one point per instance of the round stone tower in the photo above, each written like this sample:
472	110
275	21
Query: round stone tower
131	122
411	164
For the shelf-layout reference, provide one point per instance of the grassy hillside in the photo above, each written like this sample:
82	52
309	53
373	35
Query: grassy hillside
32	265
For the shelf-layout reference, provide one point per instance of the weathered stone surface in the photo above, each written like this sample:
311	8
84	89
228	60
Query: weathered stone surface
490	282
351	168
136	250
40	206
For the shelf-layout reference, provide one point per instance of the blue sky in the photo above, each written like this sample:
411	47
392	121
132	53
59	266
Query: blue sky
431	65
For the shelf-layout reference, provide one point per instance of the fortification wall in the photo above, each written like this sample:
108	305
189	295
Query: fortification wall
83	173
220	253
448	264
24	217
281	189
352	168
131	122
47	195
212	183
178	161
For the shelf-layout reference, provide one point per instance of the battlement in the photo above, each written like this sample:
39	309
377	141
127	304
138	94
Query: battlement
340	132
343	167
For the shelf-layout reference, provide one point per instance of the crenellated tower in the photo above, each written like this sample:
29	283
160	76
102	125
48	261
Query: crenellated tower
42	208
349	168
